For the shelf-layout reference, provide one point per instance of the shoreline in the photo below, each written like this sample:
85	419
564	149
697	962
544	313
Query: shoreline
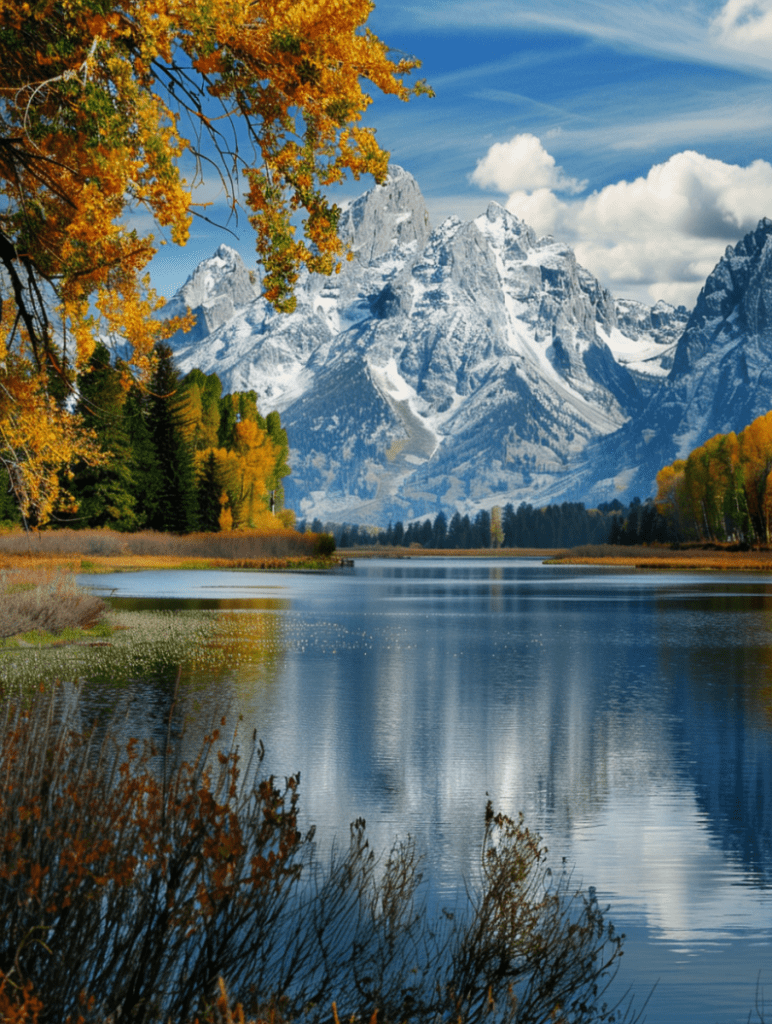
717	558
696	558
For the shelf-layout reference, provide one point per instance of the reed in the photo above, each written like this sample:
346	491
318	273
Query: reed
238	544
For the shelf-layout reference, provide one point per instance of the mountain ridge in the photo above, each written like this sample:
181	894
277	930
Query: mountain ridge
468	365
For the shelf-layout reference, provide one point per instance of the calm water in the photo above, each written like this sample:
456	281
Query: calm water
629	715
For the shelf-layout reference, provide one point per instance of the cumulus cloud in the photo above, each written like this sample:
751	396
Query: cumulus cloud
659	236
745	25
522	163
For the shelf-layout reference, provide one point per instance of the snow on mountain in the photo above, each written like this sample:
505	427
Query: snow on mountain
721	377
454	368
645	339
215	291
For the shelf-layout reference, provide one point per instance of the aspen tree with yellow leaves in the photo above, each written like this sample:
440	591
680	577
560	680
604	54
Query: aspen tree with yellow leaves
723	490
101	104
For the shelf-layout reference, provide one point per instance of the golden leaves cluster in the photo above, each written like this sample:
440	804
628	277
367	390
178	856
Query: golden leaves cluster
723	489
100	103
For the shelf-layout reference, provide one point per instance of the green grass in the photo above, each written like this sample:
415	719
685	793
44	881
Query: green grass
69	635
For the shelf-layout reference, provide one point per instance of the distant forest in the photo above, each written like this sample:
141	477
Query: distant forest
553	526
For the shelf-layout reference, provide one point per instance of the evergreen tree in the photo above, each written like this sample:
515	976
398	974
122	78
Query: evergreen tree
176	509
106	494
455	532
481	530
440	530
209	490
509	526
144	467
424	533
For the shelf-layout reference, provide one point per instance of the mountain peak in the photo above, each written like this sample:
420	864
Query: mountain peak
386	216
736	297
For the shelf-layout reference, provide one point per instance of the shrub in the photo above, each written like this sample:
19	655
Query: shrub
134	886
44	601
324	544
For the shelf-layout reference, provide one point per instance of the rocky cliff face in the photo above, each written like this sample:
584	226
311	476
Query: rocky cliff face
477	364
720	380
440	369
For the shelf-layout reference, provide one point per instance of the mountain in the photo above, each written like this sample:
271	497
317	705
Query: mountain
473	364
720	380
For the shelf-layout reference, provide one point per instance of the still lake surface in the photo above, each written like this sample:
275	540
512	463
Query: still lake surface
627	714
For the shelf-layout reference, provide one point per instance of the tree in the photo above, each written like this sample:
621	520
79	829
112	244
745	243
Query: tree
104	104
176	506
497	529
106	494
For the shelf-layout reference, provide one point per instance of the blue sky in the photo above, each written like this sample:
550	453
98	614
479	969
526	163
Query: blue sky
639	133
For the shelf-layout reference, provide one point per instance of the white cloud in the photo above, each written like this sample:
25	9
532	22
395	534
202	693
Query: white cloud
659	236
522	163
745	25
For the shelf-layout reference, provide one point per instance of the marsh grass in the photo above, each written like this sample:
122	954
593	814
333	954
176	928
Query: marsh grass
36	601
87	544
721	557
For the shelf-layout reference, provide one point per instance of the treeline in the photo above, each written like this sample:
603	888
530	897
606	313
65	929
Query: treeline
176	456
552	526
723	490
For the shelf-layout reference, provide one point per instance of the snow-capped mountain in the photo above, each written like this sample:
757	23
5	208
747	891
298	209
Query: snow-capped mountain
721	377
457	368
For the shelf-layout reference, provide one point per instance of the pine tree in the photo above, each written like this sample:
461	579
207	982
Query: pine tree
440	530
144	466
106	494
209	492
176	507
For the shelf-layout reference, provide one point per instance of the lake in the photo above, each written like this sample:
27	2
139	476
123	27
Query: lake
627	714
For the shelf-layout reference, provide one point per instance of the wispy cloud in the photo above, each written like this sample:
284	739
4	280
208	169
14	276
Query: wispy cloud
737	35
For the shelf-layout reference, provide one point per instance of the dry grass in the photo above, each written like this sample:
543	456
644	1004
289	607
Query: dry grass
716	557
39	600
389	551
109	551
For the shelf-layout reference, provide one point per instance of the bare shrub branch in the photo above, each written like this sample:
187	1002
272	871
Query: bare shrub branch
135	886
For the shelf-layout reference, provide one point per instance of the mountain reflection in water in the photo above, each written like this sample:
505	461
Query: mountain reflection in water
628	715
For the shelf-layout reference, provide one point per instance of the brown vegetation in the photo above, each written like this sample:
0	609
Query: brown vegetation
392	551
111	550
715	556
134	886
44	601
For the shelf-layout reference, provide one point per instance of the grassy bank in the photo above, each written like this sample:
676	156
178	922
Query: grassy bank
389	551
36	602
110	551
716	557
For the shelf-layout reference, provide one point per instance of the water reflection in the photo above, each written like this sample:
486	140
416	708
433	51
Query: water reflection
628	715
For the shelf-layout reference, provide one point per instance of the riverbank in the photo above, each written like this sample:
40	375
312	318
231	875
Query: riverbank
697	558
726	558
102	551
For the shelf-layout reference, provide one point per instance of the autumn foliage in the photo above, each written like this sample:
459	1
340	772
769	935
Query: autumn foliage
176	885
112	113
723	490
